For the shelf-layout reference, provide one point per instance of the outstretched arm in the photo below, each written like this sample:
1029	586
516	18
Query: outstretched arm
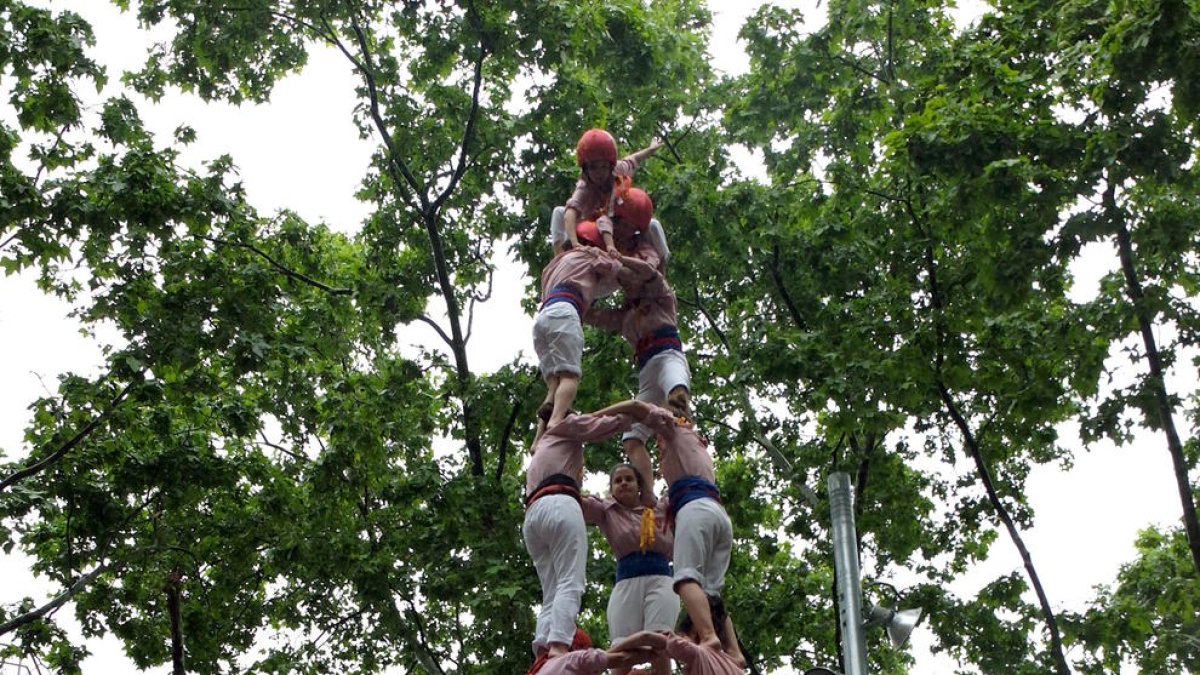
632	407
645	153
570	219
646	639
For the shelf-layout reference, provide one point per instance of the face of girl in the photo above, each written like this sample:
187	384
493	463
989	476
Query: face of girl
598	172
623	486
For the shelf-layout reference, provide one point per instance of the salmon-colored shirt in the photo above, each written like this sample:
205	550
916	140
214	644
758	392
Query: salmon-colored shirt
590	200
684	452
560	449
579	662
622	526
590	270
701	660
656	308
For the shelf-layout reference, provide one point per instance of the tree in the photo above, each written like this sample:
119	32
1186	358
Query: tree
260	451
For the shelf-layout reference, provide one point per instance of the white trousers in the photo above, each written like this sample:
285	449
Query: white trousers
703	544
662	373
641	603
556	538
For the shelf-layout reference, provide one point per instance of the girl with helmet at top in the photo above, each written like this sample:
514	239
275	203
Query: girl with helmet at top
603	177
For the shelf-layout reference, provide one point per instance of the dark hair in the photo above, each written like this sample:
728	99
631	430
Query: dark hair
680	409
545	411
636	474
716	607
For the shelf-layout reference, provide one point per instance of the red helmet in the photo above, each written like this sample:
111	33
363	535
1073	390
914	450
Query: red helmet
581	641
596	145
634	207
588	232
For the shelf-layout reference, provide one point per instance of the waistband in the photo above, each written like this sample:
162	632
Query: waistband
638	564
687	490
662	340
565	293
555	484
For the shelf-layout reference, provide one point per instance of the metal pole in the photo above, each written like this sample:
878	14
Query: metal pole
849	585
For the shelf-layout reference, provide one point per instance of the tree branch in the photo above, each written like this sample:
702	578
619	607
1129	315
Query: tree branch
1157	379
291	274
75	440
59	601
394	161
469	131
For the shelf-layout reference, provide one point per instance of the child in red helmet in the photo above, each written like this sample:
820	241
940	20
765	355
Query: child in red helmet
584	659
635	231
596	155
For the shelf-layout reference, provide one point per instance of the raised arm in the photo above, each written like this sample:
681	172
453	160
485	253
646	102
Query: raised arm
645	153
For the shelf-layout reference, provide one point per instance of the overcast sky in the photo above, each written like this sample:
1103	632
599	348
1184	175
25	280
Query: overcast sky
311	161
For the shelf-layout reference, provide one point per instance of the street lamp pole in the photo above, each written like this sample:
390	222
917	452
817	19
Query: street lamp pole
849	583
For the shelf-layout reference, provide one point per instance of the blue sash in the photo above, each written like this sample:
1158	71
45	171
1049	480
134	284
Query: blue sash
662	340
565	293
690	489
638	564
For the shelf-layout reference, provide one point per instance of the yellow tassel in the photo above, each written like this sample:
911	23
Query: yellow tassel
646	538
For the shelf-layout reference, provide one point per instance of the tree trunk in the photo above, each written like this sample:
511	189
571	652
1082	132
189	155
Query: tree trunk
1157	382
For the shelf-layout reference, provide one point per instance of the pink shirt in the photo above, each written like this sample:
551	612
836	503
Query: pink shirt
684	452
701	660
560	449
622	526
590	200
656	308
578	662
589	269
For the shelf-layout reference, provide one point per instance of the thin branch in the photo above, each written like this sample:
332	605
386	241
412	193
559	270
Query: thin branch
75	440
858	68
469	131
60	600
280	448
395	162
291	274
8	241
508	429
441	333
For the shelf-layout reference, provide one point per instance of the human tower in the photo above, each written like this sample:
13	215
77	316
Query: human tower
671	550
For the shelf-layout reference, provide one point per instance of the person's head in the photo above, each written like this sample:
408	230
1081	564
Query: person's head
596	155
581	640
625	485
681	408
716	607
635	207
588	233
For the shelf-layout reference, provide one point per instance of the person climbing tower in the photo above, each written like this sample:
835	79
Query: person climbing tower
553	530
570	282
647	320
703	532
641	597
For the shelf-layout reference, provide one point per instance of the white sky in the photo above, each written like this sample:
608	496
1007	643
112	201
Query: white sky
303	153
